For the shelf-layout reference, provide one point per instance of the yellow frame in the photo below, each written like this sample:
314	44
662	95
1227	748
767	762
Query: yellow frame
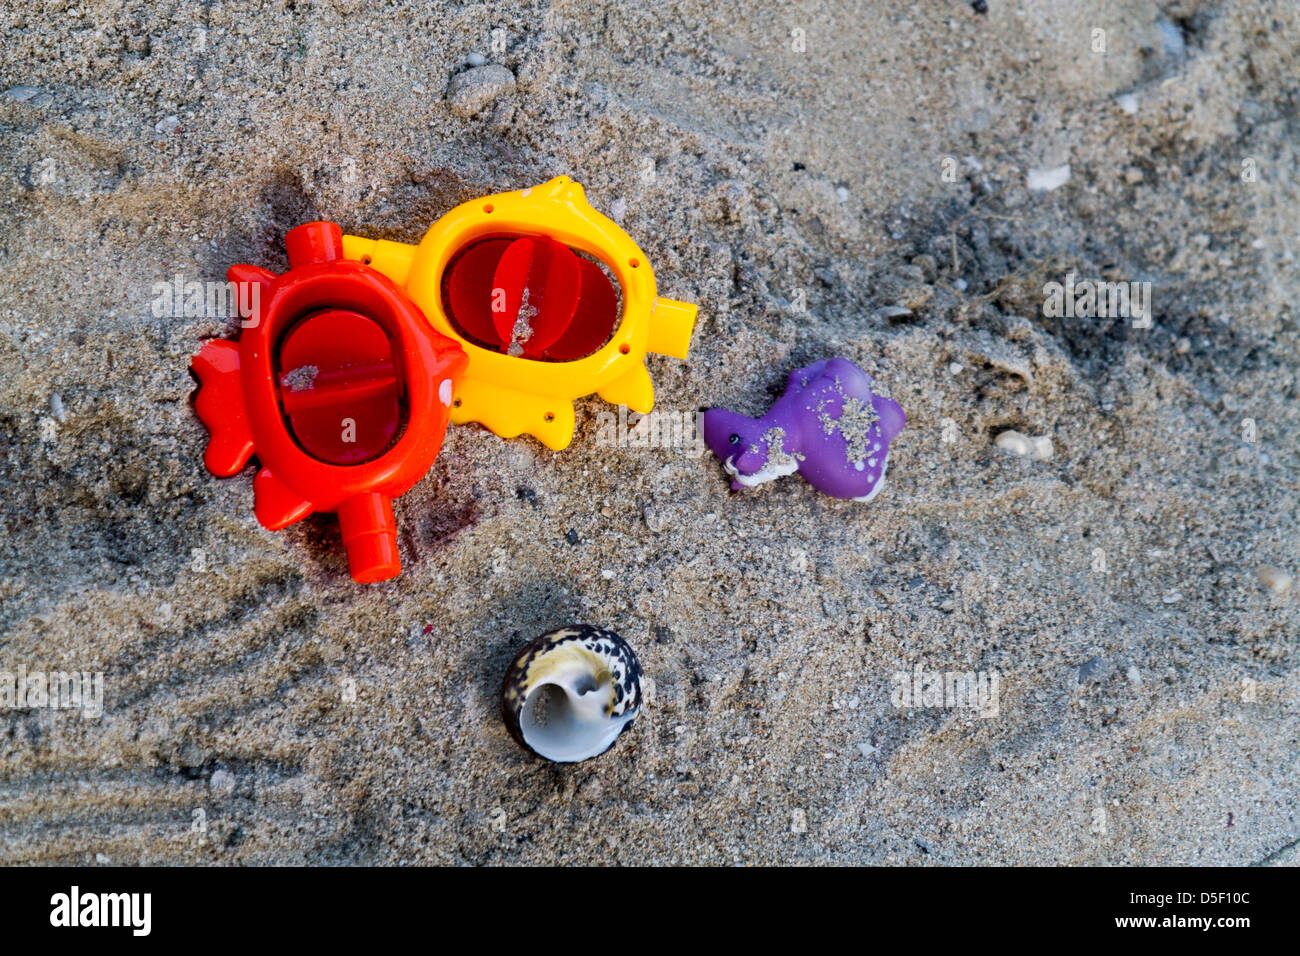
512	395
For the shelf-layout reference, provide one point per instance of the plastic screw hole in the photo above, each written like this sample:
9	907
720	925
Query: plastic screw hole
456	402
488	207
549	417
365	260
625	348
634	262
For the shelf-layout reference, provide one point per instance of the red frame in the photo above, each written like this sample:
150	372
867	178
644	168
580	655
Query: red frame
238	399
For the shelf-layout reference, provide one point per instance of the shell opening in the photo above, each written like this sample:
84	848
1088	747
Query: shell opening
567	722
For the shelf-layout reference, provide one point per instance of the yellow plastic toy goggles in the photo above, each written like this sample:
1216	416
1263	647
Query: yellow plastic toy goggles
520	279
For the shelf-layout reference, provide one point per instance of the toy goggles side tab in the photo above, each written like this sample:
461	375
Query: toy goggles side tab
671	325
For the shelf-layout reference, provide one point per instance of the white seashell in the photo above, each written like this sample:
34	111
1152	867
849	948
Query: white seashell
1039	449
1015	443
570	693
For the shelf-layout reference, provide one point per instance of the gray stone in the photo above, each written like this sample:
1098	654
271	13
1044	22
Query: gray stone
473	90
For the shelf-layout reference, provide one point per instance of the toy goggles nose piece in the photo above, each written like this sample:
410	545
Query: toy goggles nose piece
313	243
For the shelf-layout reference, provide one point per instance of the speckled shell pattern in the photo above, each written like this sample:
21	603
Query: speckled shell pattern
609	648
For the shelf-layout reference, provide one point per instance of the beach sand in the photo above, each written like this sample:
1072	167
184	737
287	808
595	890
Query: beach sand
822	179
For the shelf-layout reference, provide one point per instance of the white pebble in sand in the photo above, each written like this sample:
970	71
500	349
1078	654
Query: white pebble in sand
1275	579
1037	449
474	89
1046	179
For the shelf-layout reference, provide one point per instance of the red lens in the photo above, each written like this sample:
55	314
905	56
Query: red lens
339	388
532	297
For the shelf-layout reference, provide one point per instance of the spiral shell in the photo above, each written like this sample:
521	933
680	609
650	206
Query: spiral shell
596	681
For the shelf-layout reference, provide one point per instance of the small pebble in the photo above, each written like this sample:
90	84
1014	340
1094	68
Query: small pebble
799	821
1038	449
1048	178
1015	443
167	125
841	194
955	368
1128	102
916	297
1173	597
221	781
653	518
57	409
476	59
471	91
1090	667
1171	38
21	94
1275	579
1134	675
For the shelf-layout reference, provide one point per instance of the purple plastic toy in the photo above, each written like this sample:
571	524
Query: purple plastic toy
829	426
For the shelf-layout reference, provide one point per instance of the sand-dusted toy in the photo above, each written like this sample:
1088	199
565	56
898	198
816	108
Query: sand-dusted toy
550	300
570	693
340	387
830	426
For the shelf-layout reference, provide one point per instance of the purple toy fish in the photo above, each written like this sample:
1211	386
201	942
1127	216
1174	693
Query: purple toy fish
828	426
